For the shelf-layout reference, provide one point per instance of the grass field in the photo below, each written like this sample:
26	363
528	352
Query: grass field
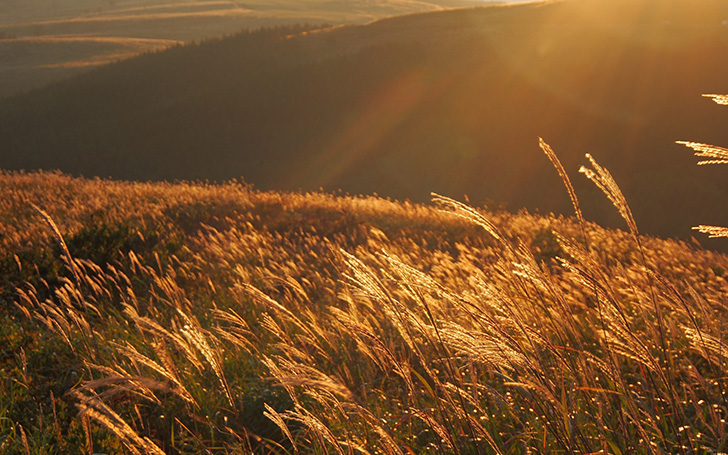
196	318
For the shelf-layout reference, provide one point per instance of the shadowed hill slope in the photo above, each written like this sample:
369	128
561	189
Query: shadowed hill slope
451	102
42	41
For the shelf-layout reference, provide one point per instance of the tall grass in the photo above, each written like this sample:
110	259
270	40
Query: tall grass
714	155
226	320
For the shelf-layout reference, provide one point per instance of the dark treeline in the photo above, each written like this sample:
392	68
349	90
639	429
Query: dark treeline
452	102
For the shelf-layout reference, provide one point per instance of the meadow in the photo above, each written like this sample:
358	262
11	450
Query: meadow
219	319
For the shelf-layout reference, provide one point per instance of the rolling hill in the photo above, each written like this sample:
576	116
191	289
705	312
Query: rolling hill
451	102
42	40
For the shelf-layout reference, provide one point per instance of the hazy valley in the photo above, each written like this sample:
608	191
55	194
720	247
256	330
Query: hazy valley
451	102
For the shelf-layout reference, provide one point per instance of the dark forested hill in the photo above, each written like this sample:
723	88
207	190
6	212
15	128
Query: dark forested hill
452	102
48	40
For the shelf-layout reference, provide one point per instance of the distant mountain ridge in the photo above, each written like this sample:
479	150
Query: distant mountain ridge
451	102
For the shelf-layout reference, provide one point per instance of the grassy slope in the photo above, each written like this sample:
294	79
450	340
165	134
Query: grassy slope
31	56
195	303
450	101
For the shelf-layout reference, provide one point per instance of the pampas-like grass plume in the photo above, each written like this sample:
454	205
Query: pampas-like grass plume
605	182
717	155
91	406
719	99
59	238
564	177
713	232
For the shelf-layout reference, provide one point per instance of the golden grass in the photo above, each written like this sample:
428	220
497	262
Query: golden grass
226	319
564	178
716	155
59	238
605	182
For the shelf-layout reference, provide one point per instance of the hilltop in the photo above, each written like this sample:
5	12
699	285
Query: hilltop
451	102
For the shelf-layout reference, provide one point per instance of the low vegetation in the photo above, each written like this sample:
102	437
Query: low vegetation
197	318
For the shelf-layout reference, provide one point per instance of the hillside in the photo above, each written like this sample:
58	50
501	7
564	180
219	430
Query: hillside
46	40
195	318
451	102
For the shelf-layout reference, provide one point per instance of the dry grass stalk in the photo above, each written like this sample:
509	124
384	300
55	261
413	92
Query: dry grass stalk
605	182
321	432
379	353
718	99
717	155
707	344
713	232
86	423
468	213
277	418
24	439
564	178
168	372
59	239
198	338
92	407
440	430
142	387
489	349
154	328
